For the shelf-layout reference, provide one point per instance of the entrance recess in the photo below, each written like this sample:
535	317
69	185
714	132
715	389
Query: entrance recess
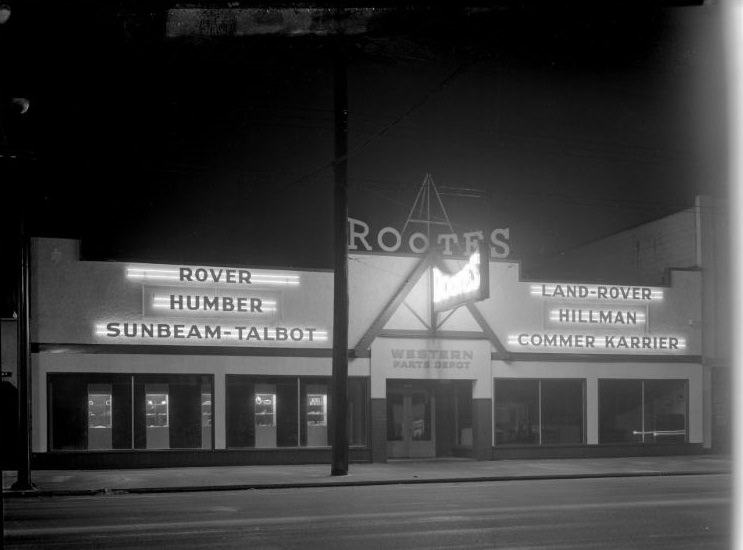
410	423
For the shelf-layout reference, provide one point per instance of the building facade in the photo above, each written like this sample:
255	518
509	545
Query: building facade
150	365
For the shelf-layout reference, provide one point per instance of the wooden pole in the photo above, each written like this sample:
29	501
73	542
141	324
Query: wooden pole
340	289
23	482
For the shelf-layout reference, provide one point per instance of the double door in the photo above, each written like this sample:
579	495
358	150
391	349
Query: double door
410	423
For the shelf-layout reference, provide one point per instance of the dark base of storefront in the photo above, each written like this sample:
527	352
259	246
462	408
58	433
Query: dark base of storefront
596	451
102	460
99	460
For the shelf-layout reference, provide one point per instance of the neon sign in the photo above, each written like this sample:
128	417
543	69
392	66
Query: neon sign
597	292
585	318
209	306
389	239
583	342
469	283
213	332
211	275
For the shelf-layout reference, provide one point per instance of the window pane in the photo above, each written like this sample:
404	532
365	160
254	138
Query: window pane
620	411
316	400
562	411
516	412
90	411
665	411
172	411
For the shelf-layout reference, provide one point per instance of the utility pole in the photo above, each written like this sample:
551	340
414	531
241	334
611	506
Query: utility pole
23	483
340	285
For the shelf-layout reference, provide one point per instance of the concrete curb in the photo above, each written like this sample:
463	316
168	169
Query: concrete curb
345	483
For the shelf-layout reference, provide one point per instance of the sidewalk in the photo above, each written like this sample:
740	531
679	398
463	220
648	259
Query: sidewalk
88	482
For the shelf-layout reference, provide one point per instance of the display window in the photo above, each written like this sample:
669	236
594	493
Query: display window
539	412
97	411
268	412
643	411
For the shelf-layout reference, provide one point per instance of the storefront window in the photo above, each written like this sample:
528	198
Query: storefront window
643	411
274	412
562	411
517	412
121	411
539	412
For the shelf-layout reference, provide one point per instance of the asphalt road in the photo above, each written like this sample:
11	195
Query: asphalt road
679	512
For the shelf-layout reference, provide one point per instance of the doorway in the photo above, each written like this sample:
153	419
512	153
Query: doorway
410	422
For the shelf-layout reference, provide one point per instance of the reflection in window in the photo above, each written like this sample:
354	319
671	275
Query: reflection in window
99	410
206	410
100	417
317	415
157	410
265	409
317	409
420	416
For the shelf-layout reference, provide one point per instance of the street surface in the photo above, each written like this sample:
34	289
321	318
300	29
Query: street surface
678	512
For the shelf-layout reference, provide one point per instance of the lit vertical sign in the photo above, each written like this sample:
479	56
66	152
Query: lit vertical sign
469	284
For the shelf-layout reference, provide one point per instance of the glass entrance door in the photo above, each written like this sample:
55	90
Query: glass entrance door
410	421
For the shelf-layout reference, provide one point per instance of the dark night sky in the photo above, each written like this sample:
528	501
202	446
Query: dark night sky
572	123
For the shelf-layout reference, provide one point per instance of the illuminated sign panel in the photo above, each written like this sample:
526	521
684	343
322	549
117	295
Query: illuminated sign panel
211	276
210	306
582	318
172	301
470	283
